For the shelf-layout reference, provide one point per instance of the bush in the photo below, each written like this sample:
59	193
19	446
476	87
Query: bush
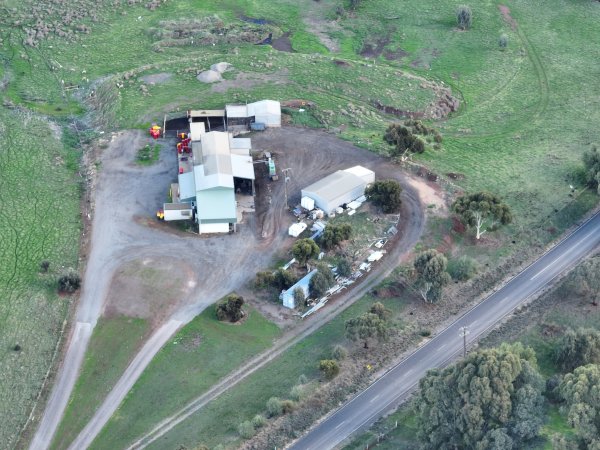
230	309
274	407
284	279
339	352
462	269
318	285
69	282
329	367
264	280
259	421
503	41
591	163
287	406
246	429
344	268
302	379
299	297
297	393
385	194
44	266
334	234
578	348
464	17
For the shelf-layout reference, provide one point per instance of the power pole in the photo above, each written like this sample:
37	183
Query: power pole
464	331
286	179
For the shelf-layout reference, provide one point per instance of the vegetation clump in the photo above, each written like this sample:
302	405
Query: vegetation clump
430	267
305	249
321	281
464	17
334	234
578	348
329	368
274	407
482	211
386	195
463	268
591	163
230	309
369	325
491	399
69	282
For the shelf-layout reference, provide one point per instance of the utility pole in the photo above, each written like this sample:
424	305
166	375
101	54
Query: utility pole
286	179
464	331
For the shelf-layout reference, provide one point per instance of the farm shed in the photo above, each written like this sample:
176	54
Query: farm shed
288	296
264	111
177	211
339	188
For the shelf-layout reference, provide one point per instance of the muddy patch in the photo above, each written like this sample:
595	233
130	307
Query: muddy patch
374	49
507	17
425	58
430	193
394	55
157	78
150	288
340	63
283	43
321	29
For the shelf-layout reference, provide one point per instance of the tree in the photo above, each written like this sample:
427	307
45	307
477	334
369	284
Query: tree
334	234
430	267
483	211
284	279
464	17
578	348
344	269
318	285
403	140
69	281
591	163
230	308
385	194
585	281
305	249
365	327
329	367
490	400
299	297
581	393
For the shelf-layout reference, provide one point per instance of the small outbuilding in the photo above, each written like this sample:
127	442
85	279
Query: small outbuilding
288	296
339	188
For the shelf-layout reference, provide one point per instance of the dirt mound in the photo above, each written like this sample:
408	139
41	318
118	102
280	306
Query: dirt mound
283	43
221	67
209	76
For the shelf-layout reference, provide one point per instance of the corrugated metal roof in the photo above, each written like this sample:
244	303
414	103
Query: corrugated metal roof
334	185
177	206
206	113
187	186
362	172
236	111
242	167
217	203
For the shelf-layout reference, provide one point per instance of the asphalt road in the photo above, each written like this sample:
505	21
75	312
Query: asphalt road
395	385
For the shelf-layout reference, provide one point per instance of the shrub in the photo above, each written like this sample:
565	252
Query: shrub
246	429
302	379
299	297
463	268
318	285
69	282
259	421
230	309
287	406
503	41
264	280
385	194
380	311
339	352
591	163
334	234
44	266
274	407
578	348
464	17
329	367
284	279
297	393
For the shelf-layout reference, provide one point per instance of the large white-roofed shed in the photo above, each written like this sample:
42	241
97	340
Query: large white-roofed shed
339	188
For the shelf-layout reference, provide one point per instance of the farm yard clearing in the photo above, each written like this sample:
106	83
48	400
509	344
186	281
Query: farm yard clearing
124	244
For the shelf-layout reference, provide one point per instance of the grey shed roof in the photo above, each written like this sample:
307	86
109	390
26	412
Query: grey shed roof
334	185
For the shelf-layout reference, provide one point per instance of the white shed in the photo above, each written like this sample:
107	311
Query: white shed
303	284
266	111
177	211
196	130
296	229
339	188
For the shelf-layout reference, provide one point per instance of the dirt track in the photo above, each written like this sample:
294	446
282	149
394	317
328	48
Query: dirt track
127	194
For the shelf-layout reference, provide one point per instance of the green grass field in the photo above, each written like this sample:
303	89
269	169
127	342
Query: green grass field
217	422
39	221
527	114
198	356
113	344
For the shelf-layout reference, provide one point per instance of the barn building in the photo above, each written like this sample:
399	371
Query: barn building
339	188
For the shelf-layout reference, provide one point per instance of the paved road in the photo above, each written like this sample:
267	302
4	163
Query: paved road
394	387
